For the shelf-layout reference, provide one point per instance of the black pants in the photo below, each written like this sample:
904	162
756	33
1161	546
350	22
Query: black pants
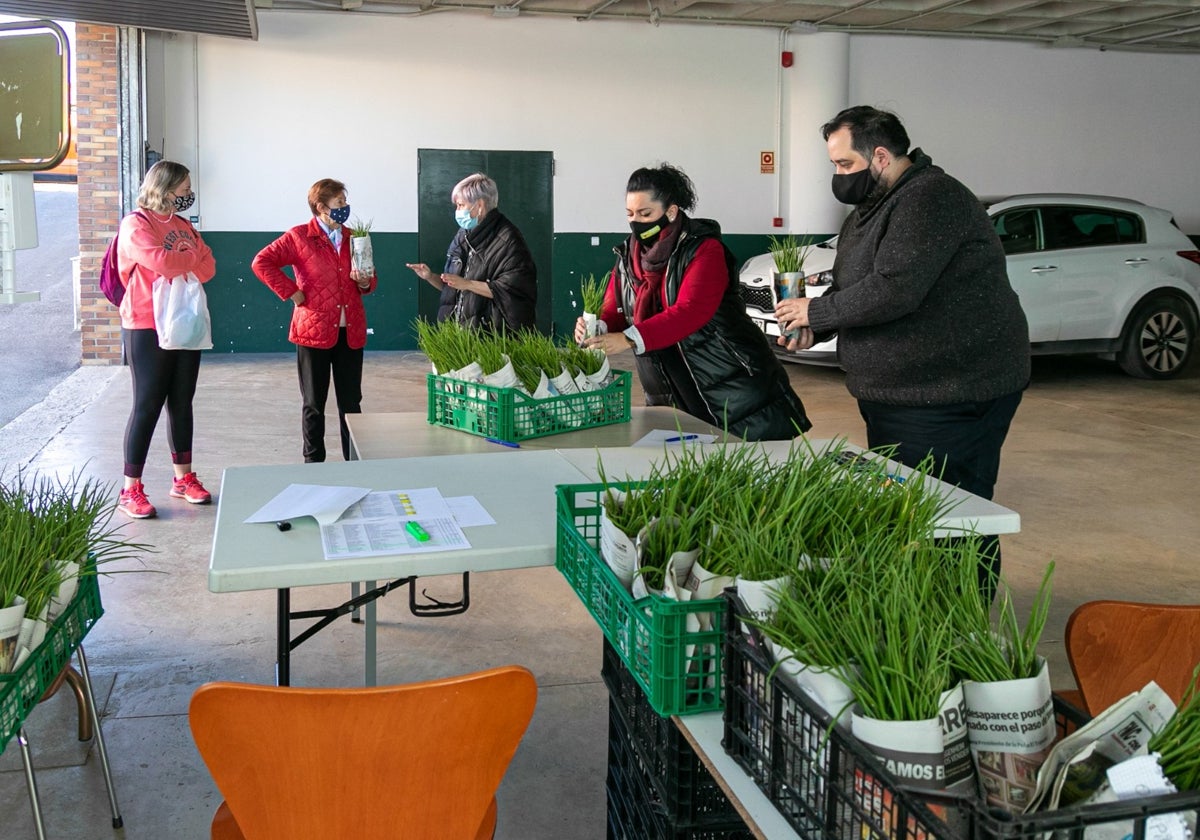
965	441
315	366
159	376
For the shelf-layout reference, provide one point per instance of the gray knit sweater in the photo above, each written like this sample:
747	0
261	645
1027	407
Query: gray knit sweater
921	302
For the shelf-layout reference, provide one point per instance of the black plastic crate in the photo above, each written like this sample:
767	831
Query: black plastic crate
635	811
676	783
829	787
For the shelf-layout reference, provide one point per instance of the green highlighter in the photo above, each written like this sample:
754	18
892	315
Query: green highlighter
418	533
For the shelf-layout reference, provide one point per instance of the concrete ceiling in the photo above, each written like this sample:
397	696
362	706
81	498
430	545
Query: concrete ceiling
1167	26
1143	25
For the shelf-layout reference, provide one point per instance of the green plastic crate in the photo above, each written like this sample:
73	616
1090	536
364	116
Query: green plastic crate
21	690
679	669
512	415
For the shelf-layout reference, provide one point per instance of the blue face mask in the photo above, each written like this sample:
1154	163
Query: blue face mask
464	218
340	214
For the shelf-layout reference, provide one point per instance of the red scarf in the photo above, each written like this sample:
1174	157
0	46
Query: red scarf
649	267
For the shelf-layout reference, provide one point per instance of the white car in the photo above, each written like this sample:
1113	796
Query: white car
1099	275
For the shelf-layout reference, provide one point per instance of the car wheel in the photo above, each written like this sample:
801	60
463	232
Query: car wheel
1158	339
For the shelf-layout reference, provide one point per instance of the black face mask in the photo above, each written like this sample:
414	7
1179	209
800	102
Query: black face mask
647	232
854	187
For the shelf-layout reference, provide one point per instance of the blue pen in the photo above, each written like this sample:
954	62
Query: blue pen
507	443
680	438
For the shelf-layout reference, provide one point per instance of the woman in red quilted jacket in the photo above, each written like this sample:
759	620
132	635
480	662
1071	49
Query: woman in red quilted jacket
329	323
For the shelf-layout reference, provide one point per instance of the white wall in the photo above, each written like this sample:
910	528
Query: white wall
1011	118
354	96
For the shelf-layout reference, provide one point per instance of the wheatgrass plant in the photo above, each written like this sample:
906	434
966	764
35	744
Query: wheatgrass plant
542	351
991	646
789	253
587	361
359	228
1178	742
490	355
47	523
815	600
591	292
632	513
448	344
896	634
522	349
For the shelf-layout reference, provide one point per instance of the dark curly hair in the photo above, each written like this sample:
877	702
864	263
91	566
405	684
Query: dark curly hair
870	128
666	183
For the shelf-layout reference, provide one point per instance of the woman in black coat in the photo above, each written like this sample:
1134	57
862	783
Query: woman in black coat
490	280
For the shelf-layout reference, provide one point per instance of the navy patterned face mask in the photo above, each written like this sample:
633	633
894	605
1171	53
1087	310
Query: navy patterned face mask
340	214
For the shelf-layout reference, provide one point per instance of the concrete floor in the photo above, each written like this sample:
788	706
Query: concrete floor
1101	467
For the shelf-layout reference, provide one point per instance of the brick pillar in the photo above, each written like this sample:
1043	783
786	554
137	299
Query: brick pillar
96	122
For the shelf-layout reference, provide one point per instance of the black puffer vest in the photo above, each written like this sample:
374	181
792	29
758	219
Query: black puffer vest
725	372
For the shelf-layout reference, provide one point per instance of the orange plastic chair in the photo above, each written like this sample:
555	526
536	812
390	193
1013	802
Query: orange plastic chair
422	760
1116	647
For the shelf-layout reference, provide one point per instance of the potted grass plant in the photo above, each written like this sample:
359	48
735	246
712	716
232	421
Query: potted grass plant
362	256
1003	675
591	294
52	531
1177	744
789	256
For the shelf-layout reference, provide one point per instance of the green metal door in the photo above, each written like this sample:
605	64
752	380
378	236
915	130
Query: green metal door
526	184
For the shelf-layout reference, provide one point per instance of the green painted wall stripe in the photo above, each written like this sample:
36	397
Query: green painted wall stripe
247	317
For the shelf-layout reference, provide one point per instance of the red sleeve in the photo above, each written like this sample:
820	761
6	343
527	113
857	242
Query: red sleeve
610	312
700	292
269	262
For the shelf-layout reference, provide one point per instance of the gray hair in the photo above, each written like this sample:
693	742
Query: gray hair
474	187
160	180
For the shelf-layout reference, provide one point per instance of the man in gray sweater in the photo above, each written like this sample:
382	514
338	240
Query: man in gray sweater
930	332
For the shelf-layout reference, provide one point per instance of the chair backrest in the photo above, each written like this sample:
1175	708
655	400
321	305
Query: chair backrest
422	760
1116	647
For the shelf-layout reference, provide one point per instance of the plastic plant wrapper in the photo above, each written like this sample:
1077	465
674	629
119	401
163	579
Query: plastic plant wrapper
1074	769
789	285
1012	729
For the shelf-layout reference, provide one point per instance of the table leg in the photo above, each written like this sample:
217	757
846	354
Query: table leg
283	638
369	646
31	785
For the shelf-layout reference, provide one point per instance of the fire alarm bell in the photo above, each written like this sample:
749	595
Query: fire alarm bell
787	59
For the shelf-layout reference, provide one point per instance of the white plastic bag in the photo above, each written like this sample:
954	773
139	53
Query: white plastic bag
181	314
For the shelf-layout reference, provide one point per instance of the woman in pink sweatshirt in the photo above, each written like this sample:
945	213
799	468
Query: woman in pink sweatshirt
155	242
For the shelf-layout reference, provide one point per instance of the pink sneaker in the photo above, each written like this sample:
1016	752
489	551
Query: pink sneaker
190	489
133	503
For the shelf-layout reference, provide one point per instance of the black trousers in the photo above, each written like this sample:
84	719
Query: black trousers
965	441
315	365
159	377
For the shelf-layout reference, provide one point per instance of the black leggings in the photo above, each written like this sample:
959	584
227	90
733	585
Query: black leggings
159	376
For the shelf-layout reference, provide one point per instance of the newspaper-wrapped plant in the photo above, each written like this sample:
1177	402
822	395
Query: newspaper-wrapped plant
1178	742
362	256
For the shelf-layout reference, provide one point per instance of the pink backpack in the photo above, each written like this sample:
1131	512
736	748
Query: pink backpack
110	276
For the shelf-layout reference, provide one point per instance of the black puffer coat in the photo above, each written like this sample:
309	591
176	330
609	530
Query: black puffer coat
724	373
496	253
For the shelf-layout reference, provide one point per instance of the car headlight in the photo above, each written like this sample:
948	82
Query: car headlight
821	278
